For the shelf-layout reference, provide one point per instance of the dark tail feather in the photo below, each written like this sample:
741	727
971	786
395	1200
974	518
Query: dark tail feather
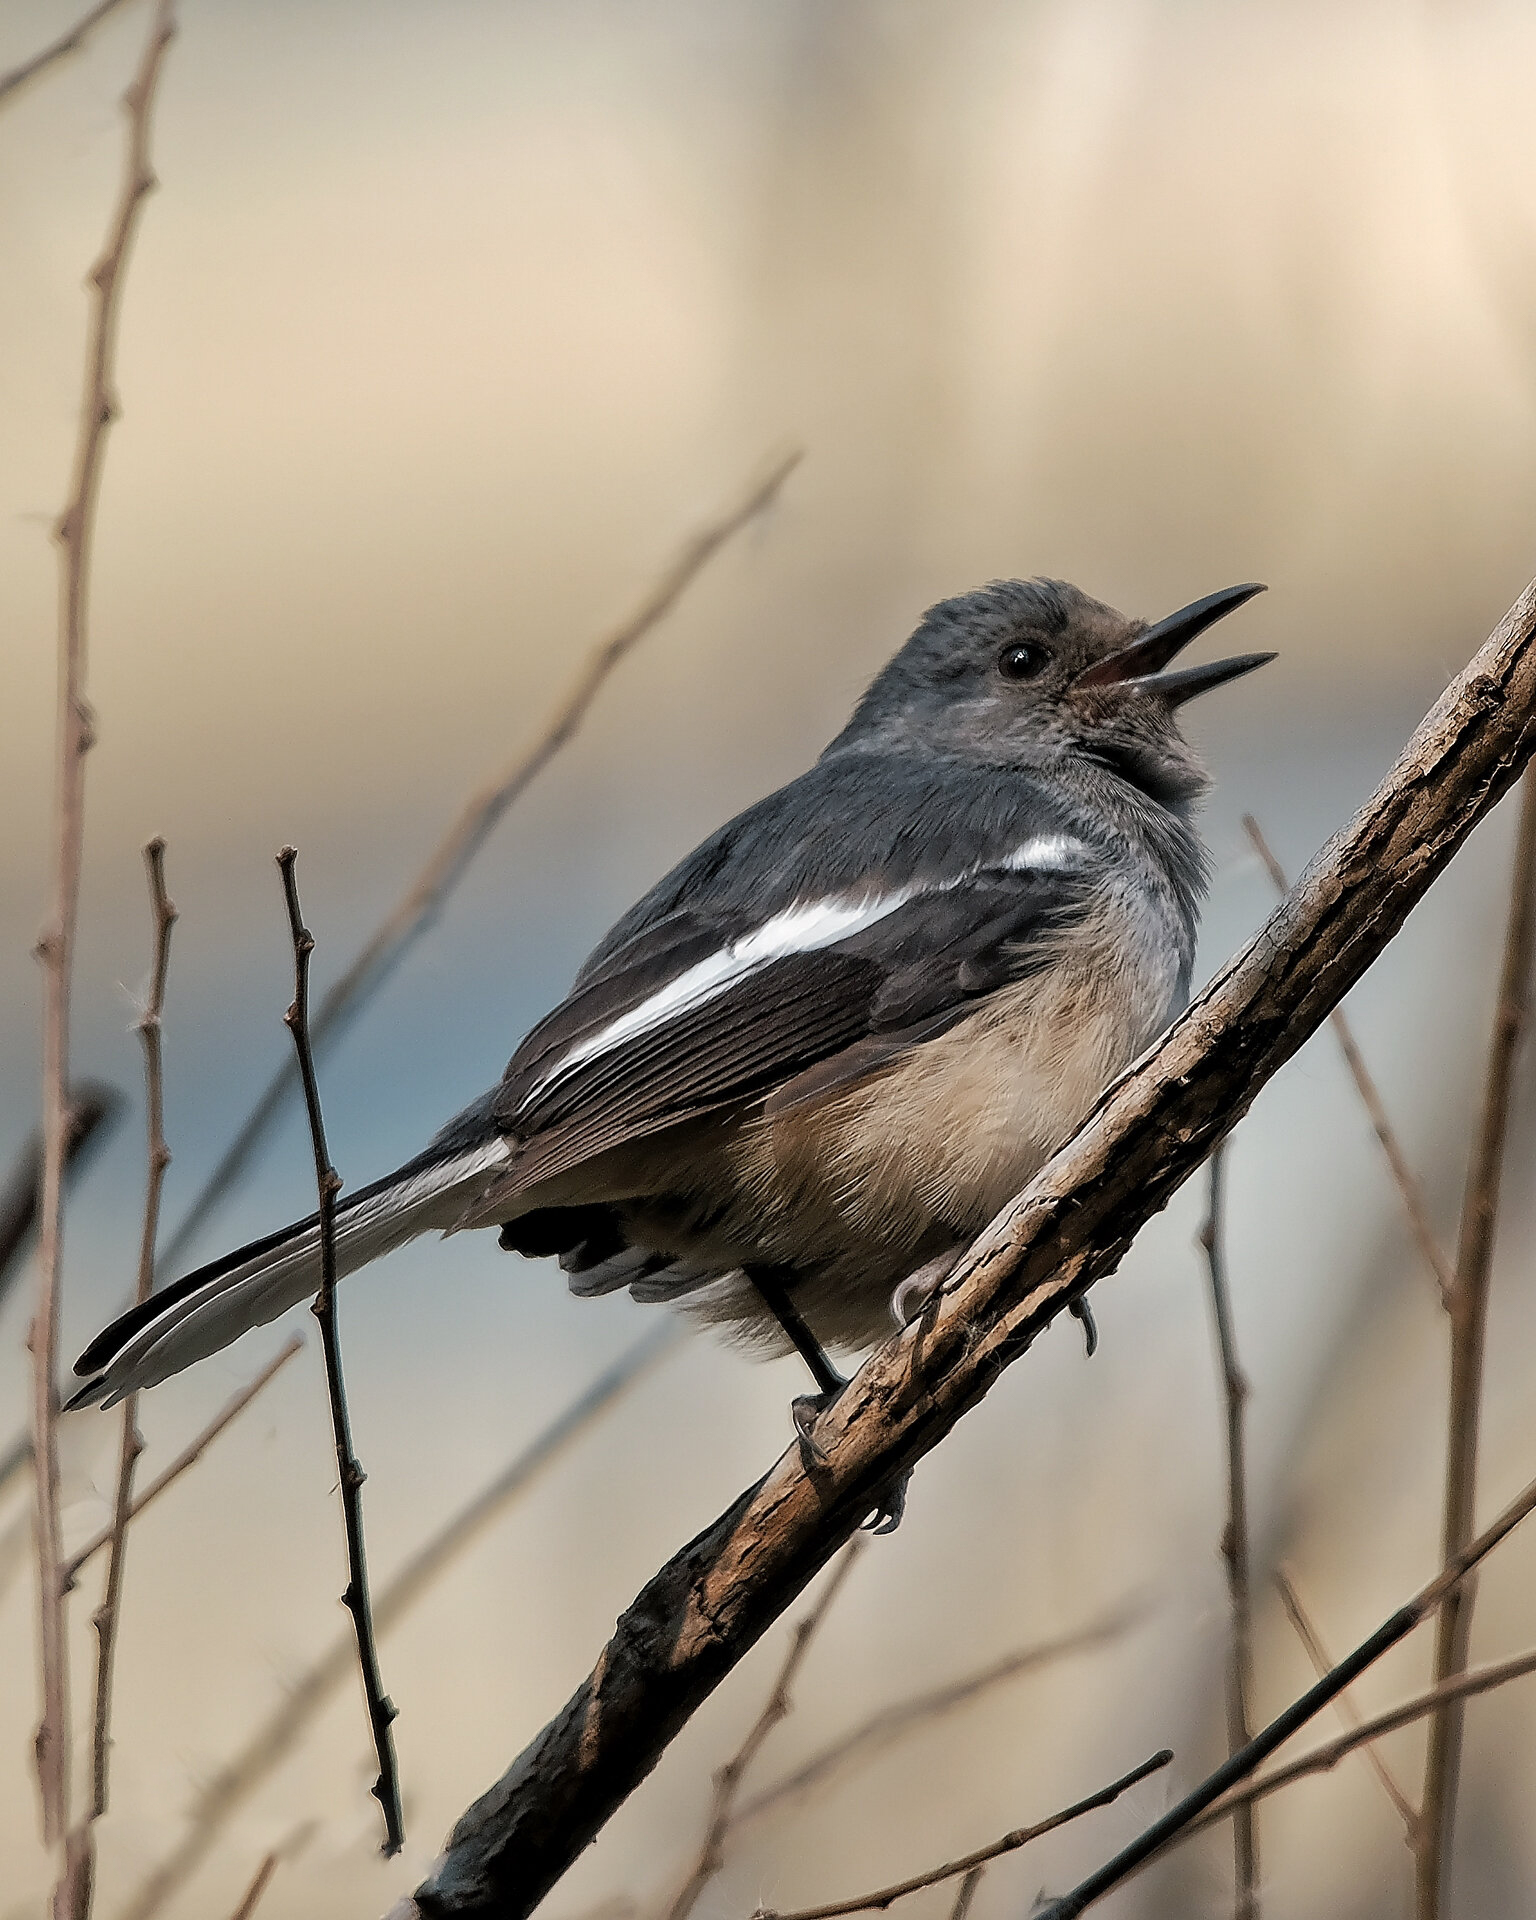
197	1315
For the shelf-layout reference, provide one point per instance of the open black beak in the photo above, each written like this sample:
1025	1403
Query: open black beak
1139	664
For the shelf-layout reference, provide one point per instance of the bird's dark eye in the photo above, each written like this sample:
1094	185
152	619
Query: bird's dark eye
1022	661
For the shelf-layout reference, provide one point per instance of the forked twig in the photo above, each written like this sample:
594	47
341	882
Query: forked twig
1321	1759
971	1862
190	1454
728	1778
1344	1705
1181	1820
1409	1188
381	1709
276	1737
1234	1538
890	1723
424	898
67	42
74	532
131	1444
1469	1320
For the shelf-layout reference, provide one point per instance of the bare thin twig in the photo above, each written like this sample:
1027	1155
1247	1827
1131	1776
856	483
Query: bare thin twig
702	1611
56	948
1409	1187
971	1862
252	1895
131	1443
381	1709
903	1716
1344	1705
190	1454
1180	1820
1462	1687
68	42
728	1778
236	1781
425	897
1469	1322
1234	1538
93	1110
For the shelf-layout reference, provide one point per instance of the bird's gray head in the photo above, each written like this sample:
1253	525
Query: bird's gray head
1033	673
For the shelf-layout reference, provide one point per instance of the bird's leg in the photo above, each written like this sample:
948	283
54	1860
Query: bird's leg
772	1283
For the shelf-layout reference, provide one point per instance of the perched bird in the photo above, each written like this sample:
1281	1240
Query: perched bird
816	1059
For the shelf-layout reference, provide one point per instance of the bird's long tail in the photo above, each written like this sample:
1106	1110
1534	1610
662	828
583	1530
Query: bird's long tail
206	1310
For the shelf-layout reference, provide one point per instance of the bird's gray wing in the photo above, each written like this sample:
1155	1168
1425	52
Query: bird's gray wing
701	1021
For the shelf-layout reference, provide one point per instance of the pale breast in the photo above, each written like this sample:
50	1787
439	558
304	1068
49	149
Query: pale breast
951	1132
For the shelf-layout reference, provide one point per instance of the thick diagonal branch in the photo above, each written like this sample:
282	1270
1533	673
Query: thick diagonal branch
1148	1134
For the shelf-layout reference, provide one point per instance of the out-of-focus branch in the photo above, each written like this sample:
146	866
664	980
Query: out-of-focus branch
777	1707
1209	1796
1410	1188
1344	1704
188	1457
301	1705
67	43
1149	1132
1321	1759
967	1894
425	897
381	1709
971	1863
1469	1321
892	1722
74	533
1234	1538
131	1444
94	1109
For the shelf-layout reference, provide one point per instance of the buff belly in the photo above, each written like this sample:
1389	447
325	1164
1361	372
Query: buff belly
858	1191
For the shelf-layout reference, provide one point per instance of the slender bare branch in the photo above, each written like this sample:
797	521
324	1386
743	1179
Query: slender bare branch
68	42
1344	1705
131	1444
904	1716
1410	1188
1321	1759
1149	1132
251	1898
355	1598
427	893
1234	1538
1469	1321
188	1457
728	1778
93	1111
76	733
277	1736
1181	1820
971	1862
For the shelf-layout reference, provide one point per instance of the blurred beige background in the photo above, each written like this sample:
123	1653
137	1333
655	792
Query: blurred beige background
446	324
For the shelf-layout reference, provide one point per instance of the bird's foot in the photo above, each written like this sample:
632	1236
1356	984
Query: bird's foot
805	1412
918	1289
1080	1310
